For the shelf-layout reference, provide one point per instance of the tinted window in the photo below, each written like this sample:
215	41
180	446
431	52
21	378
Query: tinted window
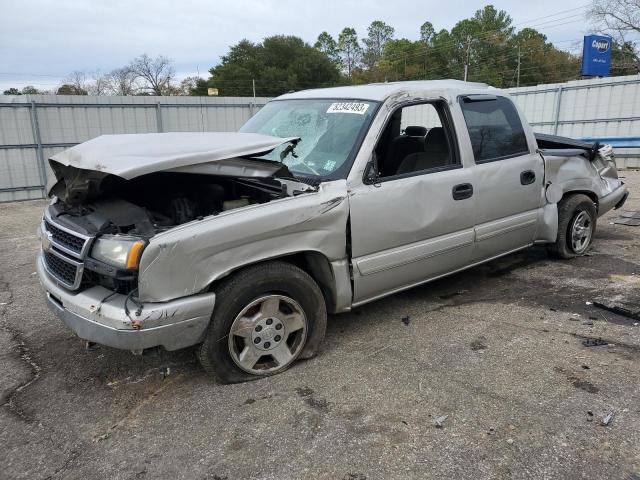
495	128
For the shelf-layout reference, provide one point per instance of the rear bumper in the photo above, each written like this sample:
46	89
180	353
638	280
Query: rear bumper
614	199
172	325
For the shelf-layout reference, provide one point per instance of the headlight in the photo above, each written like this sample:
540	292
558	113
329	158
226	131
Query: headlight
119	251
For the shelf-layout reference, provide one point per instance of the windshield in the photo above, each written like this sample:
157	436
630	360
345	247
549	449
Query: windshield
328	130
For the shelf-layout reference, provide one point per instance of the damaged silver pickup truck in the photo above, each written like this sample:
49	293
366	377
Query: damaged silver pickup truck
326	199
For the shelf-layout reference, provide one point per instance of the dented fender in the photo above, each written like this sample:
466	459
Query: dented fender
187	259
578	174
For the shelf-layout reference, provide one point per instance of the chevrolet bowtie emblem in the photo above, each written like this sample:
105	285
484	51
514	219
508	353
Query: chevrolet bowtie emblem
46	241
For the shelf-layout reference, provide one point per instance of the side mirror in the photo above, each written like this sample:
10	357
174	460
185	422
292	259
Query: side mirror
371	175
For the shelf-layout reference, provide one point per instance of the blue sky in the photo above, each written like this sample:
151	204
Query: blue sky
41	41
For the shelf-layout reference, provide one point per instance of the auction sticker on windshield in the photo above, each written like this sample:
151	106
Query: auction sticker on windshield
348	107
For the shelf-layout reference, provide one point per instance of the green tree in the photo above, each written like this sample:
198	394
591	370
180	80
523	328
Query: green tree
68	89
481	43
12	91
327	45
378	34
350	50
489	47
30	90
404	59
427	33
624	59
278	64
540	61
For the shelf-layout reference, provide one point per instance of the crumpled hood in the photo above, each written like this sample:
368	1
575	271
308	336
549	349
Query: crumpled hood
131	155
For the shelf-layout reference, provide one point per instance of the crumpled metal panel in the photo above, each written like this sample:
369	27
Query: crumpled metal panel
129	156
186	259
578	174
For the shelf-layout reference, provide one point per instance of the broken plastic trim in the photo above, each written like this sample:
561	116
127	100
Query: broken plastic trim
554	143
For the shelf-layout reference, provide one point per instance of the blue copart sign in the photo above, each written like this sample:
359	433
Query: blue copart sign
596	55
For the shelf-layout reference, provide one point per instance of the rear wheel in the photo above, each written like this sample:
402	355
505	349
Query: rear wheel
576	226
265	318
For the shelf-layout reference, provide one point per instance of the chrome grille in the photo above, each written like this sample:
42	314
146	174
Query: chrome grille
63	252
67	271
64	238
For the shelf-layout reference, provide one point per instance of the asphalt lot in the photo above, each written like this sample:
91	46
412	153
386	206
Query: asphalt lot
497	350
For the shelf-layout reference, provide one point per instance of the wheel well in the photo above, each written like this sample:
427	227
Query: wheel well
588	193
314	263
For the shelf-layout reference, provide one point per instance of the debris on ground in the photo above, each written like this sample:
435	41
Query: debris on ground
439	422
588	322
623	312
594	342
447	296
608	418
589	416
629	218
406	320
478	344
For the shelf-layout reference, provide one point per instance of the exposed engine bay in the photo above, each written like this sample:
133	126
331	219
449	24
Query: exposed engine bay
158	201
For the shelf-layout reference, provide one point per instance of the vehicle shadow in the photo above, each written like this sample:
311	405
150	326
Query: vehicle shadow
473	285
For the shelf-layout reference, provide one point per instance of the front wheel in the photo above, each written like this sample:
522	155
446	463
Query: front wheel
265	318
577	217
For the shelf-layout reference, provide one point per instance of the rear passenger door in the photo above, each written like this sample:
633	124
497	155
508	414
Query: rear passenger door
507	176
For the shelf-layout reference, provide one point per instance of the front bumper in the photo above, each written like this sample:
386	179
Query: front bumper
96	318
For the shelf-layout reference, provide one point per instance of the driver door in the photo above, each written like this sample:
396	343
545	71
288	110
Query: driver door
417	221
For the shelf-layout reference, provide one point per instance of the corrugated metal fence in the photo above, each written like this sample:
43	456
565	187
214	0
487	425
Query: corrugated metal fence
34	127
605	109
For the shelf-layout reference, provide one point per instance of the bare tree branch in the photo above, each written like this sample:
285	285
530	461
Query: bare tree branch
156	73
99	84
616	17
122	81
74	84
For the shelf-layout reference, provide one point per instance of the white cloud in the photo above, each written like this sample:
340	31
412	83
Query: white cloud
56	37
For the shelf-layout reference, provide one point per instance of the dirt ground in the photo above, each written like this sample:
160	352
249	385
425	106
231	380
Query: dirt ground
497	350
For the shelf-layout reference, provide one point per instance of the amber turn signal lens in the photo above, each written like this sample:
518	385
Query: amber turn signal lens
135	252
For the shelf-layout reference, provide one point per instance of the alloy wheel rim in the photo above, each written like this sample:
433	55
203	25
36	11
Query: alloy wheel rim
581	231
268	334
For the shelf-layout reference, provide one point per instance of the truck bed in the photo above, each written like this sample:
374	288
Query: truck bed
565	146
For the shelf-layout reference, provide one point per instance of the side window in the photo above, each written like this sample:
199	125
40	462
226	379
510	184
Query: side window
494	127
415	139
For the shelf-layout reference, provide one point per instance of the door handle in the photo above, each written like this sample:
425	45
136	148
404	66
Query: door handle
527	177
462	191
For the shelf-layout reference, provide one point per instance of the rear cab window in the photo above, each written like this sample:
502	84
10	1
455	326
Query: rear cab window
494	126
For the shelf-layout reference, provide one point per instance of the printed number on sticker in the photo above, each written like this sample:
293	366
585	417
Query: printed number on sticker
348	107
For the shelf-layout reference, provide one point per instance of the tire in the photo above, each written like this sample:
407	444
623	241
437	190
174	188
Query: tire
270	300
572	211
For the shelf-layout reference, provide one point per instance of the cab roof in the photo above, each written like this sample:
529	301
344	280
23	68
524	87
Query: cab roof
382	91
